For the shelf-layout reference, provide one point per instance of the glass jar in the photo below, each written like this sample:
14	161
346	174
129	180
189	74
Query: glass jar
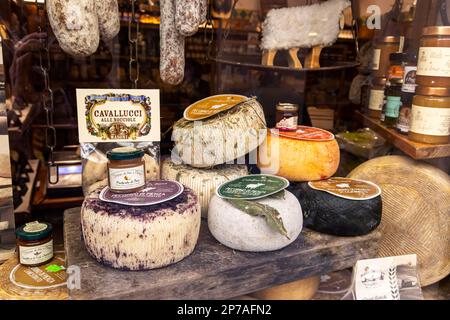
126	170
382	50
35	243
376	97
430	115
286	117
404	117
433	66
392	105
409	73
395	71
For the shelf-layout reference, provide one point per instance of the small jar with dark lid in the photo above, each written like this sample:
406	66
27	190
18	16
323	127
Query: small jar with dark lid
35	243
433	65
287	117
392	106
404	118
395	71
382	49
126	170
430	115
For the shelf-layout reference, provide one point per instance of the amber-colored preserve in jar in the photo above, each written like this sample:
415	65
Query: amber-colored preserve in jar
376	97
35	243
430	115
382	51
287	117
126	170
433	65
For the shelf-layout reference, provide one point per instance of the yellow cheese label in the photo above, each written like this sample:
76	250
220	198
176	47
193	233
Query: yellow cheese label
211	106
347	188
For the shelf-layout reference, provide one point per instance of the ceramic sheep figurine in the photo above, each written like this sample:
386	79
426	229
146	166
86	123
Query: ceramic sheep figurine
314	26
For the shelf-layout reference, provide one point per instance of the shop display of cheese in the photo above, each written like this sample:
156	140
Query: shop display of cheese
416	212
203	181
241	231
305	155
140	237
221	138
335	215
304	289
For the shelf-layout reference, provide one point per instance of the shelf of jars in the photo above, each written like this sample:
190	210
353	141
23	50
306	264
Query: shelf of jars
416	150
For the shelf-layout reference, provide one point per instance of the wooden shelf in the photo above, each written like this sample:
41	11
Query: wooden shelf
214	271
416	150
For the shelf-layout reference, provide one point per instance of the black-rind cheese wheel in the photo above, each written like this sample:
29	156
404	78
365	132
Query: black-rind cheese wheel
326	213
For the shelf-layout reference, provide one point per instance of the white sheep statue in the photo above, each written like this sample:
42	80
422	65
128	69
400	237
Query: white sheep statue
314	26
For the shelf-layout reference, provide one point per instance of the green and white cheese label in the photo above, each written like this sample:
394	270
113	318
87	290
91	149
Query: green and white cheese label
252	187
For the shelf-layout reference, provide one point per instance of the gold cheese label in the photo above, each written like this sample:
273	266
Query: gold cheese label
211	106
50	275
347	188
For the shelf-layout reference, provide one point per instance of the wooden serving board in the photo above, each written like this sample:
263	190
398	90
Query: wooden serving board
214	271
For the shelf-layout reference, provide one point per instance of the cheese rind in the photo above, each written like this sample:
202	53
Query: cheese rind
140	238
241	231
203	181
298	160
222	138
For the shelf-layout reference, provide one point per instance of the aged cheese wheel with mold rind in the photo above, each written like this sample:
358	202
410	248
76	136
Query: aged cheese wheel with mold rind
203	181
140	238
298	160
219	139
416	212
241	231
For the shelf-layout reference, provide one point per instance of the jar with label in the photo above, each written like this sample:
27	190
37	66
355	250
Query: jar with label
35	243
287	117
430	115
392	106
376	97
409	73
395	71
382	50
433	65
126	170
404	117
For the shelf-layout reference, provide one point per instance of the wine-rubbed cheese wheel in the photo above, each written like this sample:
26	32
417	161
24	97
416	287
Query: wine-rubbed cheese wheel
240	231
331	214
416	212
221	138
140	238
299	159
203	181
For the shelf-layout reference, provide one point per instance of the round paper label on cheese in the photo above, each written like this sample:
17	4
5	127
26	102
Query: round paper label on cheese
305	133
155	192
48	276
347	188
211	106
252	187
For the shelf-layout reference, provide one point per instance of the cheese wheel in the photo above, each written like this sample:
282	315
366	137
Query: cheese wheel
298	160
140	238
203	181
416	212
241	231
304	289
219	139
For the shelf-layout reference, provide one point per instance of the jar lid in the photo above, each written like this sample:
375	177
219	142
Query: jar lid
395	98
34	231
436	31
379	81
433	91
389	39
410	57
287	106
124	153
397	57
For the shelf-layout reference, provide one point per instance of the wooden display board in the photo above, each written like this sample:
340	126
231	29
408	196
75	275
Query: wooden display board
214	271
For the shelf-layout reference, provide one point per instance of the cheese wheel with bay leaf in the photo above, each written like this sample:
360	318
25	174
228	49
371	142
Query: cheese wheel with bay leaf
140	237
416	212
297	159
203	181
221	138
241	231
331	214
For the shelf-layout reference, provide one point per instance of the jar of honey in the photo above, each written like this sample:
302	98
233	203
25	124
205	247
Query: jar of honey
430	115
35	243
433	65
126	170
287	117
382	50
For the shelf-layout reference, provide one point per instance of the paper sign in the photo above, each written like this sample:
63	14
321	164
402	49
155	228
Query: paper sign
305	133
211	106
347	188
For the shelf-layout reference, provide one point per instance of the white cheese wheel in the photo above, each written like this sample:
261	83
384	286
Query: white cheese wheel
241	231
220	139
140	238
203	181
298	160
